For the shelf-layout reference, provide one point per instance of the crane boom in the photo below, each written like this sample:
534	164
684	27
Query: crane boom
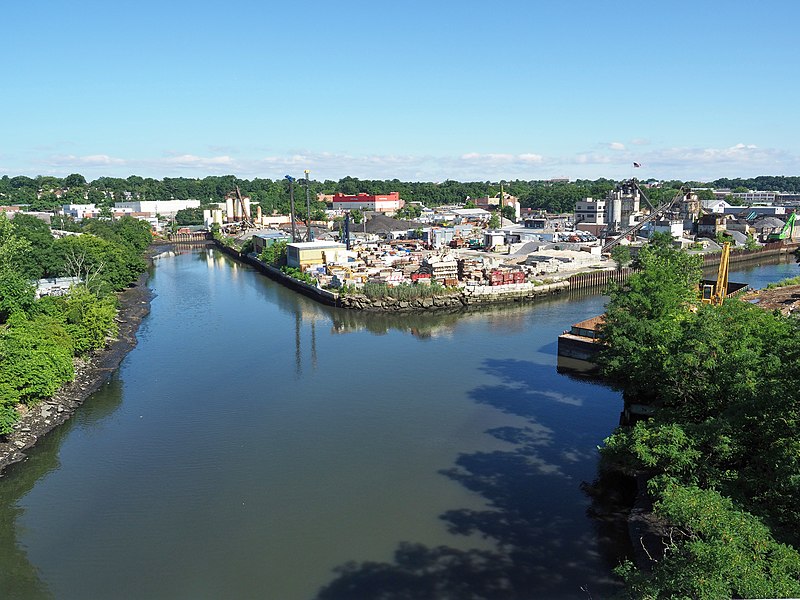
714	294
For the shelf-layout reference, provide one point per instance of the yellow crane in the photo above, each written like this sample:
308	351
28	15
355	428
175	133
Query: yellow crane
714	293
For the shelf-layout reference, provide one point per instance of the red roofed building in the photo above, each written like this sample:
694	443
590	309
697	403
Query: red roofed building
385	203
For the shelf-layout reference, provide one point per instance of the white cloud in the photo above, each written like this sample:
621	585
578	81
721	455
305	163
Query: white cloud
697	163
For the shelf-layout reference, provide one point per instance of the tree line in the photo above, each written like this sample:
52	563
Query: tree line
39	338
46	192
721	452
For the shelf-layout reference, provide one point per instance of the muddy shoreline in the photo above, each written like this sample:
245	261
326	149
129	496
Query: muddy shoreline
91	373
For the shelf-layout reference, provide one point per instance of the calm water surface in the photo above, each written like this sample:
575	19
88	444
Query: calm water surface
257	445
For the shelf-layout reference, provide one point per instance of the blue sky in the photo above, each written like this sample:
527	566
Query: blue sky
417	90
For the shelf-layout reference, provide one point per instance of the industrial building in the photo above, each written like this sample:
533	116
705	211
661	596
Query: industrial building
305	254
385	203
165	208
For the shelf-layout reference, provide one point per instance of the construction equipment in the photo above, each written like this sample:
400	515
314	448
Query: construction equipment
247	221
786	232
654	213
714	293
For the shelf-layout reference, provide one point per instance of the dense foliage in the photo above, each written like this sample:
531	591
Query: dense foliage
763	182
274	254
722	450
46	192
40	338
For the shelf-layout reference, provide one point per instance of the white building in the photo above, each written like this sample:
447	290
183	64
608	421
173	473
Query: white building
591	211
79	211
165	208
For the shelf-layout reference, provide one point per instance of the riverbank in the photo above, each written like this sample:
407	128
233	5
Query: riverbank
476	296
469	296
90	374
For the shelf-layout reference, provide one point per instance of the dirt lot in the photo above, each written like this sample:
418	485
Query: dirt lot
785	299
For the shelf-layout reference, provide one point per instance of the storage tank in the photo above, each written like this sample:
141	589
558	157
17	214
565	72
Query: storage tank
229	210
247	214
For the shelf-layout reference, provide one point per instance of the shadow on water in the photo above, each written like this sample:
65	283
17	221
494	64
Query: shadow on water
537	508
18	577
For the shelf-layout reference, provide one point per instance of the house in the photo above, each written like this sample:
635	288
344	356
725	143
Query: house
710	225
766	225
716	205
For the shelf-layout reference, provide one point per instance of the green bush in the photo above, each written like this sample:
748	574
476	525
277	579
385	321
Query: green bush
406	291
299	275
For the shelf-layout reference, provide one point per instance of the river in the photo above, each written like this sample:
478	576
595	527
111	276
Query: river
256	444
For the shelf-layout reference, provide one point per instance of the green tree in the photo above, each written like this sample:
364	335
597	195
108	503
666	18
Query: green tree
89	319
621	255
274	254
494	221
75	180
16	294
715	551
509	213
644	317
35	360
189	216
12	246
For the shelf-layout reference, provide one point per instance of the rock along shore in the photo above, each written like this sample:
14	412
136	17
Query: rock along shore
90	373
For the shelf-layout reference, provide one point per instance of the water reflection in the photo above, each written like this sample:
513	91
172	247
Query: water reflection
18	577
542	547
503	319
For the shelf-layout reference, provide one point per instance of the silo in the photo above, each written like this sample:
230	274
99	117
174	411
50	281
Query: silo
229	216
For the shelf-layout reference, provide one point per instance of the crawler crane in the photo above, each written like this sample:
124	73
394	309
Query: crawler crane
714	293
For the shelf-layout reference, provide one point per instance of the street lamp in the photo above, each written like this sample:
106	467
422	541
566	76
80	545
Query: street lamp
309	234
291	205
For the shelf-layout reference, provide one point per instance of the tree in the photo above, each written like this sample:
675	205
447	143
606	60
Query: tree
189	216
494	221
705	194
35	359
12	246
38	259
274	254
621	254
74	180
357	216
715	551
644	317
17	294
509	213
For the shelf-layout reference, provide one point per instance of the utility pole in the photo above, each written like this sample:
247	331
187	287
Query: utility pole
291	206
309	234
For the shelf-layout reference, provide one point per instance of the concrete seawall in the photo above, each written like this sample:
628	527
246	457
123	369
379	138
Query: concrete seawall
471	296
477	295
